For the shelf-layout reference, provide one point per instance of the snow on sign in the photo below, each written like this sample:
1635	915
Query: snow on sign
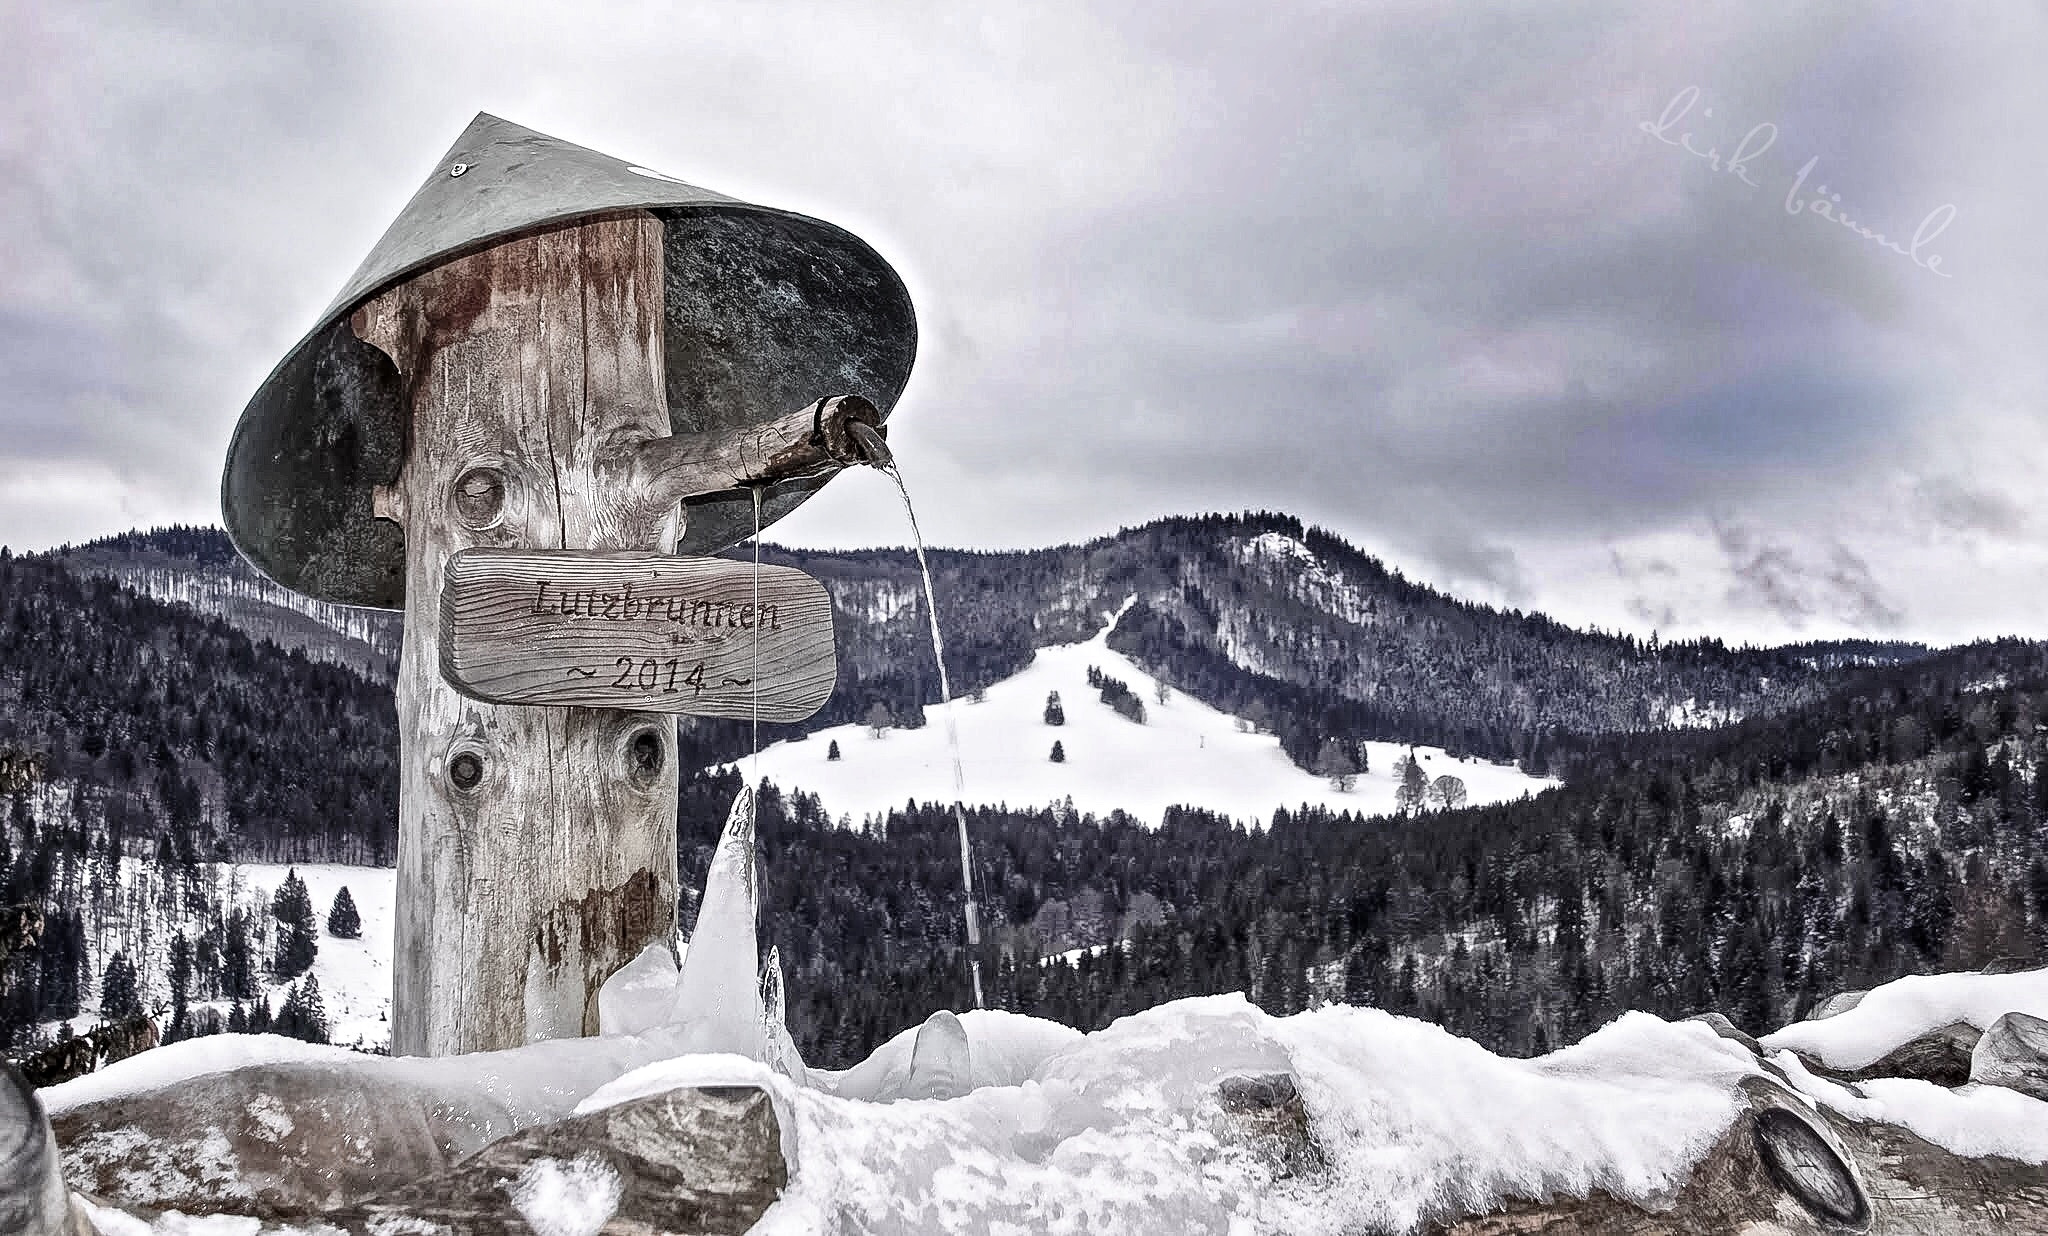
636	630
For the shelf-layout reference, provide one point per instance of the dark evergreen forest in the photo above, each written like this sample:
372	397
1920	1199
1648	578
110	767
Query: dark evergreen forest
1898	826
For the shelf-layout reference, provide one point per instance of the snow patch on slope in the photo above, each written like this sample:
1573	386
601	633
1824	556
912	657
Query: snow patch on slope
1276	554
1185	753
1690	714
355	975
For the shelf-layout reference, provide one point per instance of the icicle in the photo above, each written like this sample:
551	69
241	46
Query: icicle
941	1066
641	995
782	1053
717	997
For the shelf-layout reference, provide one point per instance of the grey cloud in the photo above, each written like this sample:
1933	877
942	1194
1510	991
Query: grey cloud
1773	574
1633	569
1656	615
1857	597
1413	273
1953	505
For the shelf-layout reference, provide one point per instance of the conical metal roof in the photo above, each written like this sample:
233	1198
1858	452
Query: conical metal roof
765	311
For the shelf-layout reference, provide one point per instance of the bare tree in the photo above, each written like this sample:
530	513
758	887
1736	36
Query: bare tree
1334	762
1414	787
1448	792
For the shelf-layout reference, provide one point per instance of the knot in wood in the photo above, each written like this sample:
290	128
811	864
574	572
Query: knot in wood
465	770
646	753
1809	1169
480	497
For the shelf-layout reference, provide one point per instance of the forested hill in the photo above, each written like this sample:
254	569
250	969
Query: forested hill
1289	627
173	729
1898	825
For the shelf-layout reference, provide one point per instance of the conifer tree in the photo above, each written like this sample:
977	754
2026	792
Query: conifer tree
297	937
832	750
343	922
1059	753
181	982
313	1025
1055	712
1409	795
120	996
1335	763
237	965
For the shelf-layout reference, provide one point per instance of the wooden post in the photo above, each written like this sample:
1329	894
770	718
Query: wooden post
537	845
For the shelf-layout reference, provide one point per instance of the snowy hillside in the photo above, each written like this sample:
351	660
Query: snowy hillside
1185	752
355	975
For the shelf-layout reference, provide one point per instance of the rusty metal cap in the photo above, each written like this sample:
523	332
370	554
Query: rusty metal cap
766	311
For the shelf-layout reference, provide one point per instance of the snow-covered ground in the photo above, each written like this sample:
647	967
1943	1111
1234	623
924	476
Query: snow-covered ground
1186	752
1014	1124
355	975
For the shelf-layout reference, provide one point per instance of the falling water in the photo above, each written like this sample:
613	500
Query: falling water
931	609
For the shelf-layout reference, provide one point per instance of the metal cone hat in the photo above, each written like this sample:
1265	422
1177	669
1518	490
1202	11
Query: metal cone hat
765	310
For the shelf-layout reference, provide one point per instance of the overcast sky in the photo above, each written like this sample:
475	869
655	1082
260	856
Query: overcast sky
1468	284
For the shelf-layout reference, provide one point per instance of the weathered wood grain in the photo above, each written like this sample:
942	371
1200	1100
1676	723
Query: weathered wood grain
636	630
536	845
807	441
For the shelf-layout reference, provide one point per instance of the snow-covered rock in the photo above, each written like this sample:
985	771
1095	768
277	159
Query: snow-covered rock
1177	1120
696	1160
1837	1004
2014	1053
1911	1008
33	1200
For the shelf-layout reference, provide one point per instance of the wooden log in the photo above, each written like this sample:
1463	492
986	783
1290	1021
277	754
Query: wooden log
700	636
536	845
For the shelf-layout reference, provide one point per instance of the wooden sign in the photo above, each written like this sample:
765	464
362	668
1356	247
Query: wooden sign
636	630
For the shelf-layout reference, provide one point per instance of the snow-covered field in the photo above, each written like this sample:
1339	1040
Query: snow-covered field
1186	752
355	975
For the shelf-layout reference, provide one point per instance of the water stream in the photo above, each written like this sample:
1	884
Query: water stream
931	609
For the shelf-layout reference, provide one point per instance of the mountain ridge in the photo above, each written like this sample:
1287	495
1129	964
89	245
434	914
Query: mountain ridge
1253	613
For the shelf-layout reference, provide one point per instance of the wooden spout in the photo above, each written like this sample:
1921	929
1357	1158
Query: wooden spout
811	441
